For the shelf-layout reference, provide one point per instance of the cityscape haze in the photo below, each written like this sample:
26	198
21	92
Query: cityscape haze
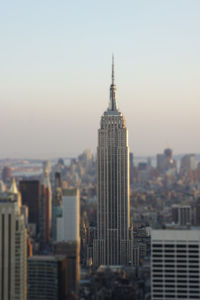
55	71
99	198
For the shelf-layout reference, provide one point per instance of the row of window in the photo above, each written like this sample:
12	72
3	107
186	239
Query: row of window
179	291
172	270
175	255
173	275
173	286
175	297
175	250
177	261
173	281
175	266
172	246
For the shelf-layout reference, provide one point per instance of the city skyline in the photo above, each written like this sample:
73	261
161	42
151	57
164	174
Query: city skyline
55	72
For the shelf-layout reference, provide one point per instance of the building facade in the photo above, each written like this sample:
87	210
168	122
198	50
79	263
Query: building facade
113	245
68	226
13	255
47	277
71	250
175	264
68	237
182	214
31	196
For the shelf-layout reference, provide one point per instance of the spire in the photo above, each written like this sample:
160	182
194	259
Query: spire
13	188
113	104
113	70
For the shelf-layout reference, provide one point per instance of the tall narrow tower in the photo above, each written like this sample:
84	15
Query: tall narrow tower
13	243
113	245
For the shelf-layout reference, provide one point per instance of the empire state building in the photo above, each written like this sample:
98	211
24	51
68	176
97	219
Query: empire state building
114	245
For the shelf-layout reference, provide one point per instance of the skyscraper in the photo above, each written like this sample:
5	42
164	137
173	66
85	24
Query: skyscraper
113	245
13	255
31	196
68	226
68	237
56	204
46	206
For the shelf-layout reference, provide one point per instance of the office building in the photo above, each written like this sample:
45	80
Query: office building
175	264
6	174
46	278
166	163
68	226
188	163
45	217
31	195
45	206
13	237
68	237
71	250
113	246
56	204
182	214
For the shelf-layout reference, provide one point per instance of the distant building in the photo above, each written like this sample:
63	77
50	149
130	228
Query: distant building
45	207
197	213
68	226
68	237
56	204
182	214
175	268
31	196
166	163
13	238
46	278
6	174
45	216
47	199
71	250
188	163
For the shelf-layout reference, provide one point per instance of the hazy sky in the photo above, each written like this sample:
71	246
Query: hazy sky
55	72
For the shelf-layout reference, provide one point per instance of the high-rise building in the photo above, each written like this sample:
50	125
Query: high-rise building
47	277
131	168
188	163
56	204
71	250
68	237
46	206
6	174
197	213
31	195
166	163
175	264
182	214
113	245
13	256
68	226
